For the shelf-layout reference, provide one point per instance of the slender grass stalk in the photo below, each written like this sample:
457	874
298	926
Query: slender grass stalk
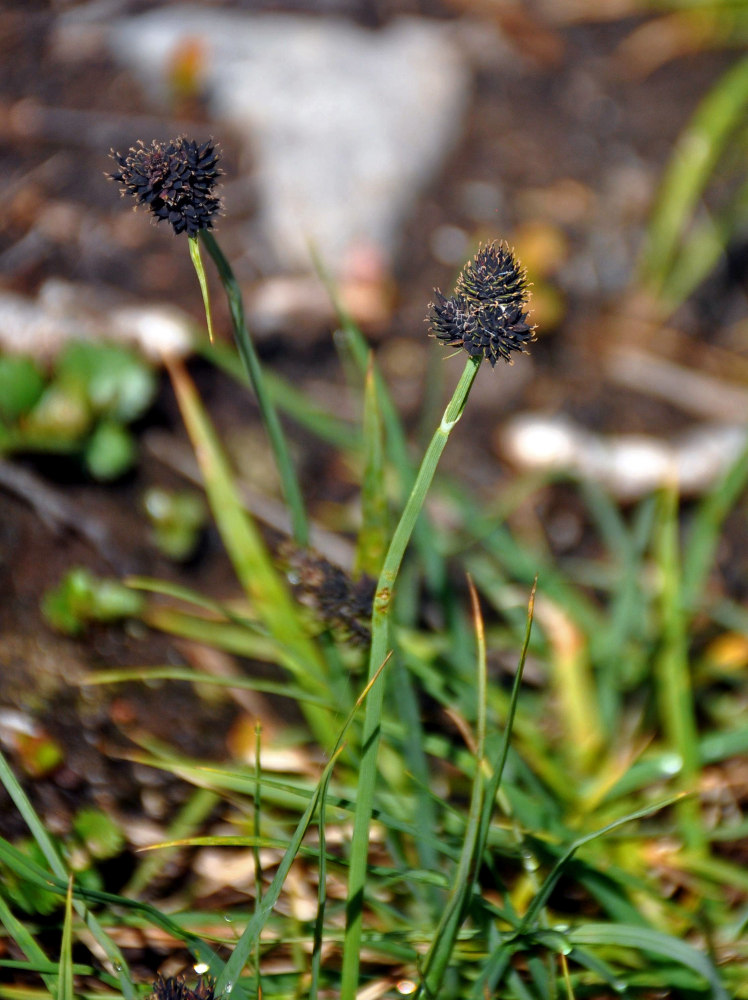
715	122
380	623
672	673
476	834
65	979
319	922
371	543
445	936
231	971
706	528
256	830
289	399
246	348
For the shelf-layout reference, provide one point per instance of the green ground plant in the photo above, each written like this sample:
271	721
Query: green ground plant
508	802
701	208
81	408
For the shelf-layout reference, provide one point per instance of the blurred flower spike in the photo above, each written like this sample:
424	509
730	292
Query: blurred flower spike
487	314
172	988
174	180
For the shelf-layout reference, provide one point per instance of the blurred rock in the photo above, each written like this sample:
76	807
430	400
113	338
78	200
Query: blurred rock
63	311
298	305
345	125
628	465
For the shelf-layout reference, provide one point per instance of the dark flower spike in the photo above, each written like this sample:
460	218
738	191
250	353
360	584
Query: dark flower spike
452	322
493	276
172	988
174	180
486	316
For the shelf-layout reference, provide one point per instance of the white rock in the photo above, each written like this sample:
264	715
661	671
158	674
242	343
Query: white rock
345	125
629	465
63	311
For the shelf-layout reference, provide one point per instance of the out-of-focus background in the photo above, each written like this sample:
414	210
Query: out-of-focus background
388	140
380	142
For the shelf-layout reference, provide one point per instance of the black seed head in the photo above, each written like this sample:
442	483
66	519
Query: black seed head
342	604
503	329
452	320
486	316
493	276
174	180
175	988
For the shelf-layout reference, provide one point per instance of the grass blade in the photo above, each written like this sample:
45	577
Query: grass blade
28	945
697	152
371	544
49	851
195	810
252	563
65	978
395	439
706	528
246	348
672	672
437	959
229	975
287	397
649	940
148	674
27	869
541	898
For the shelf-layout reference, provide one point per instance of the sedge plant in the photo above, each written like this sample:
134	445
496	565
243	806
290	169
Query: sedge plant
453	882
486	317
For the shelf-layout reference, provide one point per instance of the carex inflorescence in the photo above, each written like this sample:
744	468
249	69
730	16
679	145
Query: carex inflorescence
174	180
487	314
175	988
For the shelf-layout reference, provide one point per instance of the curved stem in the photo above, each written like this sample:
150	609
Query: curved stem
246	348
380	624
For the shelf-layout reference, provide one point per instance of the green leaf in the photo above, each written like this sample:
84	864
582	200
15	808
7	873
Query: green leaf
114	380
177	520
61	418
110	452
81	598
98	831
21	386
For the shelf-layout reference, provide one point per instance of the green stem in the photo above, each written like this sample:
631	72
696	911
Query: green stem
380	622
197	263
246	348
677	697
